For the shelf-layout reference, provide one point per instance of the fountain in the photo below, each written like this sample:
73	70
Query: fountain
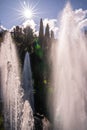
27	124
69	73
12	93
27	81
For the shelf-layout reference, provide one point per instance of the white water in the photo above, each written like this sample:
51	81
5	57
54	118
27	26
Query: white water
11	90
27	81
27	124
69	74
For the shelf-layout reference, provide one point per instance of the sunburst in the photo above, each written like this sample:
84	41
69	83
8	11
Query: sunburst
28	13
27	10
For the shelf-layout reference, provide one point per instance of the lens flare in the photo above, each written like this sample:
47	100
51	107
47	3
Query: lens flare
27	10
28	13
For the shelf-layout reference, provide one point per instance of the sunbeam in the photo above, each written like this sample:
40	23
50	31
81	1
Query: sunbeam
27	10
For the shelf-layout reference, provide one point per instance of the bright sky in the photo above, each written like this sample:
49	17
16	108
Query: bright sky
12	10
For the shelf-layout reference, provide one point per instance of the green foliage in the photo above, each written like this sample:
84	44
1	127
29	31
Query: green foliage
2	36
1	122
28	35
41	30
1	40
52	34
41	34
38	50
47	33
38	47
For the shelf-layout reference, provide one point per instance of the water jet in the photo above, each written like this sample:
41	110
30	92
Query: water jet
12	92
69	75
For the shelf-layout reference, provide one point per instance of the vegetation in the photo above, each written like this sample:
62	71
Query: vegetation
1	122
1	36
1	118
39	48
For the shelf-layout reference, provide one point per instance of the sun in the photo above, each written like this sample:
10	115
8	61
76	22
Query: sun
27	10
28	13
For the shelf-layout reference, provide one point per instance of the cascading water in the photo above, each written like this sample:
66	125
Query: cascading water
27	81
27	123
70	75
11	90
